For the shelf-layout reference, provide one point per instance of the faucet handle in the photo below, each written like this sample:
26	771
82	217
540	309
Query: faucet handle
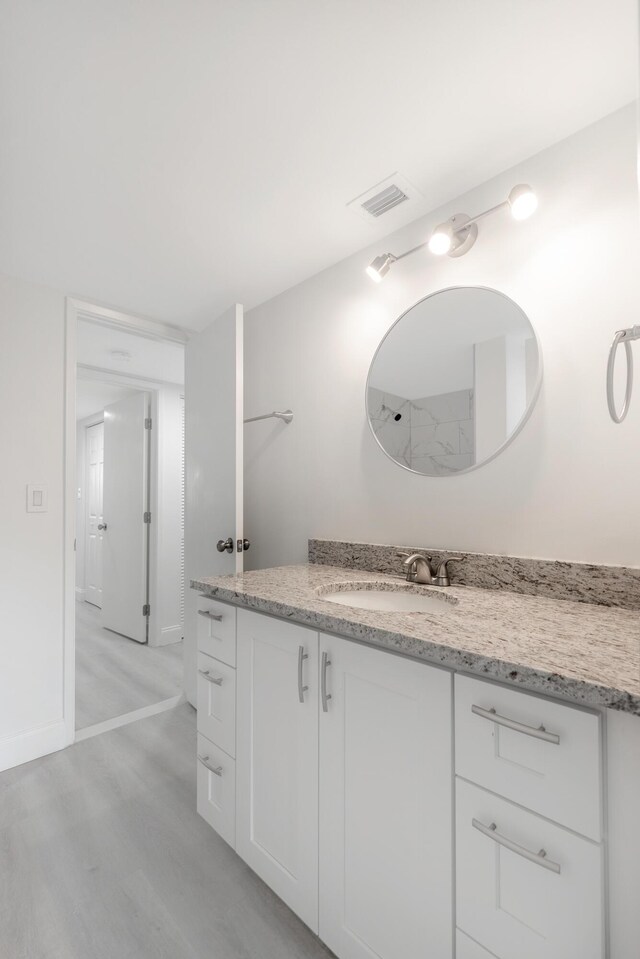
442	574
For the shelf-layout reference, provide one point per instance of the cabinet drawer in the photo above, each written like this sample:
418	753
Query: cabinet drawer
217	703
217	629
468	949
560	780
544	907
216	791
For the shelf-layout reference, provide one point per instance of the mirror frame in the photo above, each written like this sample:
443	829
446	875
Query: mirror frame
527	413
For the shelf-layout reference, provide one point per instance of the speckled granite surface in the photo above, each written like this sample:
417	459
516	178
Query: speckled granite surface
583	583
577	651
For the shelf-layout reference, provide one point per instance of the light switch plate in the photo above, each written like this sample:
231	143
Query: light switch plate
36	498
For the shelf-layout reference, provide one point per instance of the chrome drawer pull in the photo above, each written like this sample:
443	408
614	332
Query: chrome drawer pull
301	658
538	732
210	615
540	858
323	683
216	770
216	680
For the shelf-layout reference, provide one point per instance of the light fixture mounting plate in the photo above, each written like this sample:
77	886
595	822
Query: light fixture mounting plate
468	235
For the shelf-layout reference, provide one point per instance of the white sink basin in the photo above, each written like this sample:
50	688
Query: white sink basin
398	599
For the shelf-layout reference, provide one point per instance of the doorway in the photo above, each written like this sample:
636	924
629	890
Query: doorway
128	613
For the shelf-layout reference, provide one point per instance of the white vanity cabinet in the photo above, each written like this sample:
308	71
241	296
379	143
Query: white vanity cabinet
346	750
329	766
277	758
216	685
385	804
529	856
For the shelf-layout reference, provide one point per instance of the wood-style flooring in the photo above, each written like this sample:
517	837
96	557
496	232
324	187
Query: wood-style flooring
115	675
103	856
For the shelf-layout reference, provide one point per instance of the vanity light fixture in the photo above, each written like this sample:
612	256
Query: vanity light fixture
456	236
380	266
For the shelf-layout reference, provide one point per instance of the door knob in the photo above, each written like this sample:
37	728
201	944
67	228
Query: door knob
225	545
102	525
243	545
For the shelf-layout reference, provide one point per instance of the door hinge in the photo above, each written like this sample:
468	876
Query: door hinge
147	517
148	423
146	610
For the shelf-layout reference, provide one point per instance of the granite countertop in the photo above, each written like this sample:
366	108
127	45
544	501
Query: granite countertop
582	652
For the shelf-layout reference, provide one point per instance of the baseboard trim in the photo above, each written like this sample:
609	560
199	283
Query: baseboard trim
32	744
143	713
168	636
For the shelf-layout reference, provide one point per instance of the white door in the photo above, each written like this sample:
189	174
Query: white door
277	758
126	498
95	518
213	464
385	805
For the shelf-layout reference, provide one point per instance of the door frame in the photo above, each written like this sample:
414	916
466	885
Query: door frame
86	426
75	310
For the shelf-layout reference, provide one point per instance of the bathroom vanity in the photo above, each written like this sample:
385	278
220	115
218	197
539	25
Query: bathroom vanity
415	784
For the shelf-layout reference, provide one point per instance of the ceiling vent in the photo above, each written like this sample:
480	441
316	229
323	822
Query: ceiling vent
385	200
381	199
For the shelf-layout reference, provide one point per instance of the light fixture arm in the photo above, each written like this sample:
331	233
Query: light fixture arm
467	224
460	230
481	216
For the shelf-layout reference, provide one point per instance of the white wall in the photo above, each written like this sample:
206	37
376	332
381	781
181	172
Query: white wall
31	559
563	487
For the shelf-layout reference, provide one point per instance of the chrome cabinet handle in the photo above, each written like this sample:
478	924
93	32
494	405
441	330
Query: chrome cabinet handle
538	732
301	658
323	683
210	615
216	680
540	858
216	770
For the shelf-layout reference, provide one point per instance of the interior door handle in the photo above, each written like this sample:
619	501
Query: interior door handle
102	525
225	545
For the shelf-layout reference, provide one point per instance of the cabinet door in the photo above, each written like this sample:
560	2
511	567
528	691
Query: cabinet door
277	758
385	805
525	886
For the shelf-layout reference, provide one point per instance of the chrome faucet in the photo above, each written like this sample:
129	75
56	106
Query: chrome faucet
418	568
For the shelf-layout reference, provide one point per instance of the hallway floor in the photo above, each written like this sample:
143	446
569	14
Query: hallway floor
115	675
104	857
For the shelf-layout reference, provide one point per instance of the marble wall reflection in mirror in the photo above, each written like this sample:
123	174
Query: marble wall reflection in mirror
453	381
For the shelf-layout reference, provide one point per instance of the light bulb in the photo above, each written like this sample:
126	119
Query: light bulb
522	201
380	266
441	240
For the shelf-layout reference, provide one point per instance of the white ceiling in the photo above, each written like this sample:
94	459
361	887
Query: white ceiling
100	347
170	158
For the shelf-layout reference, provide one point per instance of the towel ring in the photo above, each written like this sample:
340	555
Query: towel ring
624	337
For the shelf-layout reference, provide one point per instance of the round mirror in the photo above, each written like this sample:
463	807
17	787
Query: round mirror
453	381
